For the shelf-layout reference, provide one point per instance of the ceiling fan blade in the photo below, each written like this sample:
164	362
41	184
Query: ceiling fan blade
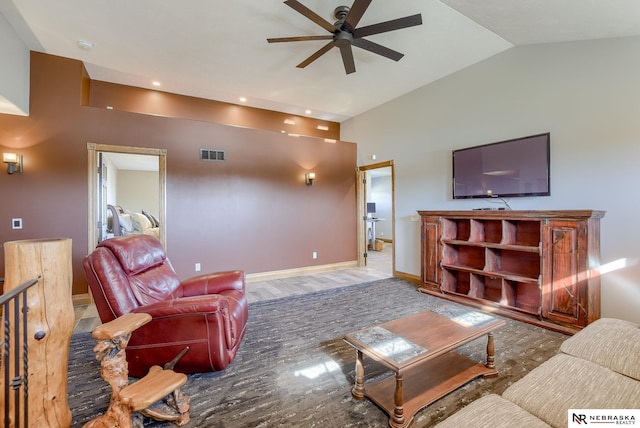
298	39
323	50
355	14
378	49
347	58
383	27
299	7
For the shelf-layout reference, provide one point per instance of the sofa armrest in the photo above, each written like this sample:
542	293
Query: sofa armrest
213	283
186	306
204	324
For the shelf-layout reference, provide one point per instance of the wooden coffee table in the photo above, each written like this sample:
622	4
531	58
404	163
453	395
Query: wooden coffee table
419	349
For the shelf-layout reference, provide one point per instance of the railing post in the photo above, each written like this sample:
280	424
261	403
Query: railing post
49	326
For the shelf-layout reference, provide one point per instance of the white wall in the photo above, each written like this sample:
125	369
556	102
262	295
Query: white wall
139	190
112	181
381	195
587	94
14	72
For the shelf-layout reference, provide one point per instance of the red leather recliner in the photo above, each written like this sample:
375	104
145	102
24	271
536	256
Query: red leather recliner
207	313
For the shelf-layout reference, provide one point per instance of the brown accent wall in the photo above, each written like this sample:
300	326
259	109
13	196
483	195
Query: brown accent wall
251	212
139	100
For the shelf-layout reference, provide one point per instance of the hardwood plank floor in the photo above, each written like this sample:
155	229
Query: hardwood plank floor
379	266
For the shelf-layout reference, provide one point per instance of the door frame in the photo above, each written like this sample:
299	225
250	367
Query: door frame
360	211
92	157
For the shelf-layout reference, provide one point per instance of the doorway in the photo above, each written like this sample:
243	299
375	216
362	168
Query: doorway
100	156
376	216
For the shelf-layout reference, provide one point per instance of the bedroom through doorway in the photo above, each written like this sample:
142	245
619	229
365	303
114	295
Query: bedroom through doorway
126	192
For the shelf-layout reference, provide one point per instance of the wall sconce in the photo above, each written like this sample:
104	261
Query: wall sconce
14	162
309	178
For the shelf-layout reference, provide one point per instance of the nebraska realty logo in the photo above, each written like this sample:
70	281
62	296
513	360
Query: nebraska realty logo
582	417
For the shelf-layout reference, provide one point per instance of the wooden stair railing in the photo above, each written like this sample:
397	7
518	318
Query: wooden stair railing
14	361
131	400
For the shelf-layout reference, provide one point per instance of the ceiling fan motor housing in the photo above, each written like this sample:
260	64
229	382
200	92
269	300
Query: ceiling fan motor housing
343	37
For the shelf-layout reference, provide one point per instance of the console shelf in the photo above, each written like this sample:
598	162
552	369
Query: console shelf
533	265
522	248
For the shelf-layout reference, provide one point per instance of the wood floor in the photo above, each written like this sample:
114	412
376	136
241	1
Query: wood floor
379	266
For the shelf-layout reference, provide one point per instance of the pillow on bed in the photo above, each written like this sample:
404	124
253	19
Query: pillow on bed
126	223
142	220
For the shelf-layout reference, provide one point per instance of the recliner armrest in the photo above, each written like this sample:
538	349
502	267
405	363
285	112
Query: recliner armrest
213	283
185	306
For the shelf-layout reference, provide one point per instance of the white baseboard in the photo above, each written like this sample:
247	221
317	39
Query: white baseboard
287	273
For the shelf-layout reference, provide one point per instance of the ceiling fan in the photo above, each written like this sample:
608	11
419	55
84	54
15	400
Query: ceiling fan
345	32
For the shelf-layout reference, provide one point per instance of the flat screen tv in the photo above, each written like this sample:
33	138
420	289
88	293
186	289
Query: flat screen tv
512	168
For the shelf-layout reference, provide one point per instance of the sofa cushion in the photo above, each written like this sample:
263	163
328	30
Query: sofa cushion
492	411
566	382
611	343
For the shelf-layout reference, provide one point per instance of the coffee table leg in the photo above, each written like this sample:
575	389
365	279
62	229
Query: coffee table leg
491	362
397	420
358	389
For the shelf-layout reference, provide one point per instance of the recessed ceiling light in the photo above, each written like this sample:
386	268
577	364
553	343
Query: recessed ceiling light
322	127
85	45
243	99
308	111
155	83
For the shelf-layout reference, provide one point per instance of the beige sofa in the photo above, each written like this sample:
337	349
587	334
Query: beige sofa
597	368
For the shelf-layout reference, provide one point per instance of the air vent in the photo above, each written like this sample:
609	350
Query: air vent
212	155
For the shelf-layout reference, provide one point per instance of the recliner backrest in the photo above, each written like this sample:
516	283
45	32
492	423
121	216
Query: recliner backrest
127	272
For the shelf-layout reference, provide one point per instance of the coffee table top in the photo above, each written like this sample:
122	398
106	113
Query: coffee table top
406	341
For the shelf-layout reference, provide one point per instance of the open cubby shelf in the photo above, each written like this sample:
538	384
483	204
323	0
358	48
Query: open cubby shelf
523	294
519	233
516	261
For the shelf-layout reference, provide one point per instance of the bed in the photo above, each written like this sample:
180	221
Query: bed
123	222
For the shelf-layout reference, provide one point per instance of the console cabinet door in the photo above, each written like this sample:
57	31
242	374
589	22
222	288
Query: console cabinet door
431	250
564	278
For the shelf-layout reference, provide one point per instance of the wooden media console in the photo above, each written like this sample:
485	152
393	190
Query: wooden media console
536	266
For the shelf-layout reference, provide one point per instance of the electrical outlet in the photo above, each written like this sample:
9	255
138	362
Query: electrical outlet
314	255
197	267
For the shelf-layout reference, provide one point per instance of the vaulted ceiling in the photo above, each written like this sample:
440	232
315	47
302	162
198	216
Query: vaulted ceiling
218	49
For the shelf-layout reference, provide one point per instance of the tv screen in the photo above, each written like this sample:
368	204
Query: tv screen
512	168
